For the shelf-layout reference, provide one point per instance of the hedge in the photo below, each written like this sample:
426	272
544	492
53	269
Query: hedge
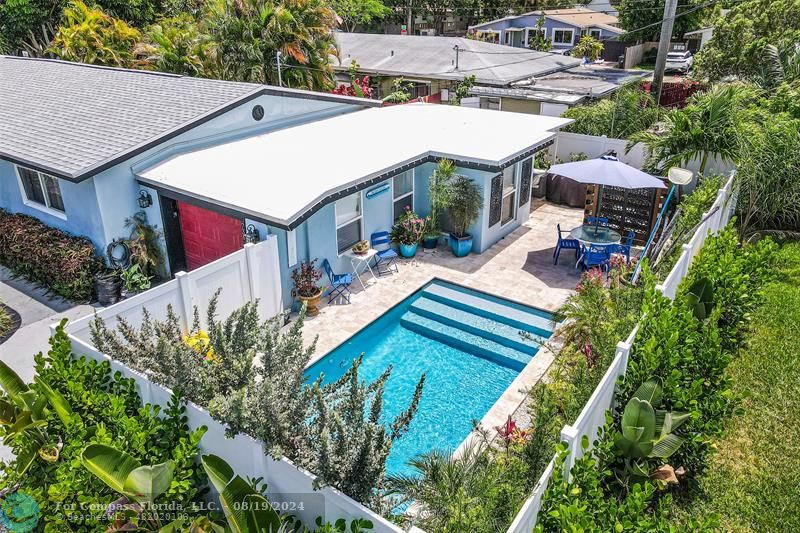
61	263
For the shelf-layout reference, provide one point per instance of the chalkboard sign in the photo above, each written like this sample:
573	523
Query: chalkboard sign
626	209
495	200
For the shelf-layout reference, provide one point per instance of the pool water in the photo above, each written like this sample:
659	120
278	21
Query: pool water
467	343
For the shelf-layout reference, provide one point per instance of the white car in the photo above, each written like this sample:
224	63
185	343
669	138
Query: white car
681	61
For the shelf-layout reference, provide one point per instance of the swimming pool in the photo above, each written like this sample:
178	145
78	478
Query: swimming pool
467	342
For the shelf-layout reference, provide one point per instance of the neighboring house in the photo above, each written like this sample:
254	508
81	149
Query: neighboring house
563	27
697	39
555	93
80	145
429	63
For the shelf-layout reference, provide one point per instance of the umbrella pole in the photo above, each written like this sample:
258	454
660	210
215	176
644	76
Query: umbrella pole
652	235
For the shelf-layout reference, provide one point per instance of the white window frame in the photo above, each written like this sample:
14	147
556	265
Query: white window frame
411	194
514	192
570	30
530	29
598	31
33	203
338	226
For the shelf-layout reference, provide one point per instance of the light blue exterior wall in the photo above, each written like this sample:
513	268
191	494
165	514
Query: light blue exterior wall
550	25
97	207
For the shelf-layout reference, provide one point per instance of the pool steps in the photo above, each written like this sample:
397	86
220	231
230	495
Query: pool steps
482	325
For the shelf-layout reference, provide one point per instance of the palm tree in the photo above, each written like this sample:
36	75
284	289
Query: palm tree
250	33
179	45
709	125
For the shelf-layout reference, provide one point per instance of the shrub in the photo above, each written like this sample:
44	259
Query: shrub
632	110
106	409
62	263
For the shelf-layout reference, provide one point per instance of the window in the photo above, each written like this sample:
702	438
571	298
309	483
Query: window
41	190
563	36
508	210
507	38
348	222
530	35
403	192
490	103
595	33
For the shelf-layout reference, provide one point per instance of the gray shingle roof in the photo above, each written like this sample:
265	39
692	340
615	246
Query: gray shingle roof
434	58
74	120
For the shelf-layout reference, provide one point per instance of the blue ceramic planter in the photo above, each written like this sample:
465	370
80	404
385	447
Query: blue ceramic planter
461	246
408	250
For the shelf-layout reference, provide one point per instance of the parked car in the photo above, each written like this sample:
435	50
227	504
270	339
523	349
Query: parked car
681	61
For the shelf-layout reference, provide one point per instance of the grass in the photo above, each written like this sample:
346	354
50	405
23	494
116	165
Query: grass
753	479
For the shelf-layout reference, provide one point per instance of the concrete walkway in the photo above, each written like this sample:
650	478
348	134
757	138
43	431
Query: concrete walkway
37	311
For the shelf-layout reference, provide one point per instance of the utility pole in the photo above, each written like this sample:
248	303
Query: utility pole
410	19
280	70
670	8
456	48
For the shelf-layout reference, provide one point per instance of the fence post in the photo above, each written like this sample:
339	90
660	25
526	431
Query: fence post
253	275
569	435
187	299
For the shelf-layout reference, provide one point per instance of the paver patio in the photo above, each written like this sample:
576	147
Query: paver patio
519	267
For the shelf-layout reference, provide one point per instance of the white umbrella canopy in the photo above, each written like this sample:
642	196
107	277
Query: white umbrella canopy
607	170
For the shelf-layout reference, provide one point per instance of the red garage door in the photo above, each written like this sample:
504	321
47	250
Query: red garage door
207	235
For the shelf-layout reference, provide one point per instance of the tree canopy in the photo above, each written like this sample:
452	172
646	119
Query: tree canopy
647	14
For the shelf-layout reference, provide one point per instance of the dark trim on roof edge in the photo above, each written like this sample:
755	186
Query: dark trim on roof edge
310	211
202	119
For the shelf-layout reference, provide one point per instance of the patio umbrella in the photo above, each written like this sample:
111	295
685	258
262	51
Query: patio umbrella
607	170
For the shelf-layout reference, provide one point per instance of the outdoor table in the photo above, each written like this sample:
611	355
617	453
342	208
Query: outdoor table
594	234
359	261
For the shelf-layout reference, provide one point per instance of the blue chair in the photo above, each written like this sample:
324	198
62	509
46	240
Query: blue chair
340	283
597	221
386	257
565	244
595	255
629	238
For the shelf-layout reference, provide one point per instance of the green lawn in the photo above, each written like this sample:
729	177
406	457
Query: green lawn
753	480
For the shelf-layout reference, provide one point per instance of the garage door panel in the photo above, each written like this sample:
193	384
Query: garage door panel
207	235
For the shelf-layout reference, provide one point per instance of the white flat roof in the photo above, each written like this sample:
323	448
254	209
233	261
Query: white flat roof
284	175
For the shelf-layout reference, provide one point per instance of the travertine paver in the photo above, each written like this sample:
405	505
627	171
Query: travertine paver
519	267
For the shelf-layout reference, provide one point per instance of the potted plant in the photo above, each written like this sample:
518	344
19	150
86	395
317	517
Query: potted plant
465	204
133	281
305	278
439	195
361	247
408	231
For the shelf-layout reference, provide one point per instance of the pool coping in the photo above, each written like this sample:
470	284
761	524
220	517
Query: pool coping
513	396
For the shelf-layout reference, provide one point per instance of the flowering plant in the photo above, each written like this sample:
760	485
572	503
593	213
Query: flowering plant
200	343
409	228
305	278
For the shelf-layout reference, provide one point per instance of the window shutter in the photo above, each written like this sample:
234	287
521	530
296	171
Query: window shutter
525	182
496	200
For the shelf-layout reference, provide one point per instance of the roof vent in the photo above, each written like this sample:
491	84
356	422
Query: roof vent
258	112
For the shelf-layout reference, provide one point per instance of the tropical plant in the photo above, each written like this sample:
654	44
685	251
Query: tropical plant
462	89
179	45
588	47
133	280
354	13
409	228
465	204
61	263
88	35
401	92
358	87
641	19
538	40
143	244
250	33
710	125
631	110
779	66
439	193
305	278
700	297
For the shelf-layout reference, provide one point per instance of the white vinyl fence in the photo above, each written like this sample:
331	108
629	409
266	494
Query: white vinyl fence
249	274
592	417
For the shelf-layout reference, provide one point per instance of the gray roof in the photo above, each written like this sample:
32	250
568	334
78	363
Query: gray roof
434	58
569	86
74	120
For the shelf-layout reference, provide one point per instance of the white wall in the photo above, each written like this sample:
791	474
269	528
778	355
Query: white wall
552	110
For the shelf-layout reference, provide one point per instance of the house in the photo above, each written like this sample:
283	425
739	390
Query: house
208	161
563	27
555	93
696	39
435	65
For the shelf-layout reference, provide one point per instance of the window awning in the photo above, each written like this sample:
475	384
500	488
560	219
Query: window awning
284	176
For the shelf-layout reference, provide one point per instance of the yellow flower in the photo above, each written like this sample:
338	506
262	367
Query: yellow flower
199	342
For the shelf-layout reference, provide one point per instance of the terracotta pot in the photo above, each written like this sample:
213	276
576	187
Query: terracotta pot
311	303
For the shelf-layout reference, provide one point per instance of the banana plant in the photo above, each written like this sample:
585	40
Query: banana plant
647	432
245	508
700	297
23	417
